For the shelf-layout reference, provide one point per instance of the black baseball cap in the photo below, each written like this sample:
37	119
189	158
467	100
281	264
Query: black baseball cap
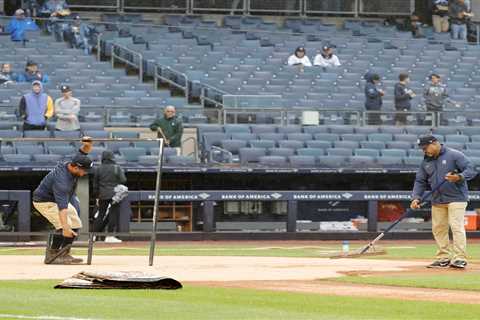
65	88
82	161
300	49
426	140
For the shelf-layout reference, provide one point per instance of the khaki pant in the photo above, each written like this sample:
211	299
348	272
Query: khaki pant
440	24
445	216
50	211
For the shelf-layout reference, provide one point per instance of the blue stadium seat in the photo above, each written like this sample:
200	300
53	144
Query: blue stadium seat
30	149
362	161
249	155
131	154
332	161
316	152
284	152
367	152
17	158
399	153
47	158
319	144
180	160
302	161
273	161
339	152
262	143
292	144
379	145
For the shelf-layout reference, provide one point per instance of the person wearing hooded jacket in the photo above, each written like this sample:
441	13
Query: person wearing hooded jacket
299	58
107	176
36	108
373	97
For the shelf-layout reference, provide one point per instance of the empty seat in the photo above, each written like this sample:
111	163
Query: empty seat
413	161
362	161
399	153
132	154
315	129
148	160
180	160
332	161
292	144
387	161
114	146
10	134
248	155
354	137
263	129
285	152
457	138
36	134
17	158
399	145
271	136
233	146
230	128
367	152
339	152
290	129
346	144
327	137
66	150
316	152
373	145
319	144
47	158
380	137
299	136
262	143
97	134
302	161
67	134
244	136
273	161
125	134
30	149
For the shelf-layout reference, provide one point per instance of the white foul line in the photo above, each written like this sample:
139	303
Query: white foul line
14	316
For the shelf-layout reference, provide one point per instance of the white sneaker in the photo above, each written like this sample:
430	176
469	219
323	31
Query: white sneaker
111	239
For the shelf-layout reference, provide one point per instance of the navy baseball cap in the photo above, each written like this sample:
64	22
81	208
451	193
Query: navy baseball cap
426	140
82	161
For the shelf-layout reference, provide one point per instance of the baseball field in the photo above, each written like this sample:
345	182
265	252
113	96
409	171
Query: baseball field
247	280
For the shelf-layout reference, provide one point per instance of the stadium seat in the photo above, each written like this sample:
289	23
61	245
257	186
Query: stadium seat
273	161
131	154
249	155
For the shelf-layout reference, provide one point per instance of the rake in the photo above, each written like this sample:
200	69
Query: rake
369	249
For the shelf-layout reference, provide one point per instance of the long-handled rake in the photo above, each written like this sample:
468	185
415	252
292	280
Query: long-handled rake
370	249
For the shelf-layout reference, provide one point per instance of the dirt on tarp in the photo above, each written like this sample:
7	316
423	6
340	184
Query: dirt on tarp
118	280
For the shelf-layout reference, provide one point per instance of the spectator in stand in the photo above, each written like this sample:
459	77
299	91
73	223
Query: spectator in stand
36	108
440	15
403	95
6	74
436	96
78	34
169	128
19	24
56	10
299	58
66	110
32	74
459	15
326	59
373	98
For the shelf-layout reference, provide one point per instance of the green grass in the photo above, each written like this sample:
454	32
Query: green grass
396	251
37	298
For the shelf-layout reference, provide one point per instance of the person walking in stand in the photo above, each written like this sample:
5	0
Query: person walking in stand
449	202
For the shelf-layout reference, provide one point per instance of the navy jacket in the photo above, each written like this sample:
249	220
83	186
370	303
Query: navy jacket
433	171
402	98
373	98
59	187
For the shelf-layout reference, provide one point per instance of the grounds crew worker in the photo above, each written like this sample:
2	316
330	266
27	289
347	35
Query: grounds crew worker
449	202
169	128
55	199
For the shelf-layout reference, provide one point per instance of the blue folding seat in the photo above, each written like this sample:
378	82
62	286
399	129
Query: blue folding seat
346	144
319	144
399	153
367	152
285	152
373	145
293	144
340	152
262	143
302	161
249	155
332	161
273	161
131	154
17	158
316	152
180	160
362	161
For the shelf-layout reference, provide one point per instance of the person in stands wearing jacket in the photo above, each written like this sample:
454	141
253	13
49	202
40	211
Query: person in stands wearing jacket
107	176
403	95
449	202
19	24
36	108
32	73
373	97
299	58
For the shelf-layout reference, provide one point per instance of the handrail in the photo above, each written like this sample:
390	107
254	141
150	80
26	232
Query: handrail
131	63
157	75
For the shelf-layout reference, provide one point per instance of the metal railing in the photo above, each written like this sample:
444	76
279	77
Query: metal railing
392	117
171	76
122	54
245	7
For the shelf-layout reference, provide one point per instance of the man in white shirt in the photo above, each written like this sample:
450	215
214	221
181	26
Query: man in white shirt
299	58
326	59
66	110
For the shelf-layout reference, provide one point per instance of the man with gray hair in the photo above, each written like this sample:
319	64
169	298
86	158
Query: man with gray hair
169	127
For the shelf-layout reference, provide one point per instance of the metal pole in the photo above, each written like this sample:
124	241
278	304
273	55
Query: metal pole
153	237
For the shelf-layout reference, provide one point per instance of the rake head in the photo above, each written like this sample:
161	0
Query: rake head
371	251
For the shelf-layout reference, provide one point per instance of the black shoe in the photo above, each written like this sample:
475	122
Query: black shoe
439	264
458	264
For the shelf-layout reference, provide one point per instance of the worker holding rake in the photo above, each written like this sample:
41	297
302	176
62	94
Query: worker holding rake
449	201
